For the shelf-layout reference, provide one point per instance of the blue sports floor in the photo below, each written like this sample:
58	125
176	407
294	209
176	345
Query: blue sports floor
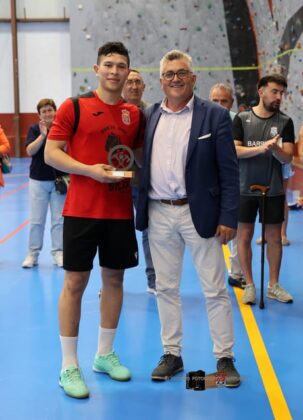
269	343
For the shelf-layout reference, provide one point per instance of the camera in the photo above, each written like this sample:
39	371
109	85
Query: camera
195	380
61	184
199	381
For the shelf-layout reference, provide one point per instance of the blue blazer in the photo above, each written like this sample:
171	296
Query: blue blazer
211	172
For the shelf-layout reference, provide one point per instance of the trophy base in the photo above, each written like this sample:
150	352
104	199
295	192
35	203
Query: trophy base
122	174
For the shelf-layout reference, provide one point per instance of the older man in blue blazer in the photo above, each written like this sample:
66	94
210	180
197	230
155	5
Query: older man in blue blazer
189	195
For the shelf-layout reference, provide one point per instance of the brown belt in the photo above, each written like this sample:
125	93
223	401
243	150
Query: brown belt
179	202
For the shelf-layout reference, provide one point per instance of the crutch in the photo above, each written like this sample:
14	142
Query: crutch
263	189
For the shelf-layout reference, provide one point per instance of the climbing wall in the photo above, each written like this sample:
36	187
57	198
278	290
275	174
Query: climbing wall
149	30
278	28
210	31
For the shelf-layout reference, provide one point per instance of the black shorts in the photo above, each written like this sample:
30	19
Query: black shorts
115	241
249	206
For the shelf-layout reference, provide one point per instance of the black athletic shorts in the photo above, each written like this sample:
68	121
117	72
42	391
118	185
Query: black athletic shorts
250	205
115	241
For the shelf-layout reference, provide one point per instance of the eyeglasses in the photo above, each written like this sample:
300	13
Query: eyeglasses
181	74
135	82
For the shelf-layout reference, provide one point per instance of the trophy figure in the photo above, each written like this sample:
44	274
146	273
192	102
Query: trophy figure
122	158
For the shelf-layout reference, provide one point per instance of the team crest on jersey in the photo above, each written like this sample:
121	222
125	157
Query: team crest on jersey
125	116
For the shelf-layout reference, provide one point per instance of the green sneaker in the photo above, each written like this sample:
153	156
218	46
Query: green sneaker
72	382
110	364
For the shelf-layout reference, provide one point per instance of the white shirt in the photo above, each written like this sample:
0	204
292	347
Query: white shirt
169	153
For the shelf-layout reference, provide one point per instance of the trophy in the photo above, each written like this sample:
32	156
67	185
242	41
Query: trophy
122	158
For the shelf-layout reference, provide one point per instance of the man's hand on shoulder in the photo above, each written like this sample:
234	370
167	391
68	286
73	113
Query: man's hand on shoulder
225	233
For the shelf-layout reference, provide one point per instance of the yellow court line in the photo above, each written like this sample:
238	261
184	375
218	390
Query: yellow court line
270	381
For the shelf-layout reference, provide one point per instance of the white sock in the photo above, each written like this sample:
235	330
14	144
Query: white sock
69	351
105	340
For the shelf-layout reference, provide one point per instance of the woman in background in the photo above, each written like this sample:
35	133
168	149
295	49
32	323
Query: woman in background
287	173
4	149
42	192
300	144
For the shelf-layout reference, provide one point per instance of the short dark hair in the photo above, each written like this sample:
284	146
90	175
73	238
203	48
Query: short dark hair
272	78
46	102
113	48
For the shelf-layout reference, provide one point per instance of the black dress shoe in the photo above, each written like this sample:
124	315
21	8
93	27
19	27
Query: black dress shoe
241	283
168	366
226	365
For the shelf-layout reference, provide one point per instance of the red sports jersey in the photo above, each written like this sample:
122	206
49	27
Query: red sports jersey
101	127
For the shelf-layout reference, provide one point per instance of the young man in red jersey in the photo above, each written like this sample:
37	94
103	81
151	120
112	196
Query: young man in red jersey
98	212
